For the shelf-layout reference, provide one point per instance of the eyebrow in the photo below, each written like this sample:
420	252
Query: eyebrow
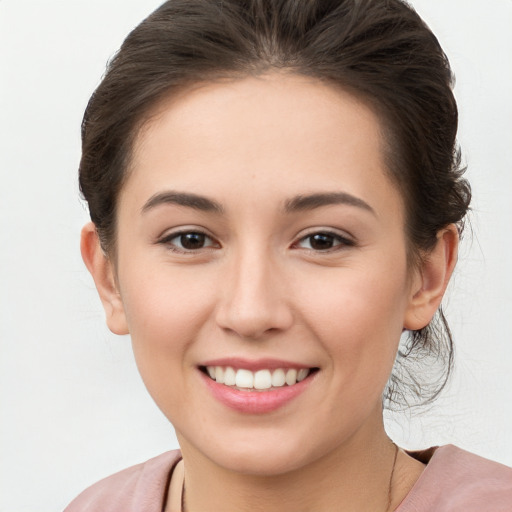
295	204
312	201
195	201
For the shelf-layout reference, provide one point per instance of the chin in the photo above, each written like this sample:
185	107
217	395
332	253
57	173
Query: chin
264	453
260	462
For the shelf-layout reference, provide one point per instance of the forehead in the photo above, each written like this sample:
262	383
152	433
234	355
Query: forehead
289	132
274	100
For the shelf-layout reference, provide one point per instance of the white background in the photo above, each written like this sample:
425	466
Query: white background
73	408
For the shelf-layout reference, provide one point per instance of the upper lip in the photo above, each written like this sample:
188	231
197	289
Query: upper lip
255	364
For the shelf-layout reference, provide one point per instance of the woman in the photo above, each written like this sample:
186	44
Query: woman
276	196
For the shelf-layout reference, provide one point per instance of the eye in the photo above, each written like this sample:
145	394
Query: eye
188	241
324	241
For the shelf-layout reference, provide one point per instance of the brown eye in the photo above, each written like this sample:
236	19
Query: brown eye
188	241
191	241
324	241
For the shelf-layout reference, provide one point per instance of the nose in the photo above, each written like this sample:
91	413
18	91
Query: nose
255	297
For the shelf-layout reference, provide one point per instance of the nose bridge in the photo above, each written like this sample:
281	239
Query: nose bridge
253	299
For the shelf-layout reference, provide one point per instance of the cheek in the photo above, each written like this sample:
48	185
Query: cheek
359	321
164	304
165	311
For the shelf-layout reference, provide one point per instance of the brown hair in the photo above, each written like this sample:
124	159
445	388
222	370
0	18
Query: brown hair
380	50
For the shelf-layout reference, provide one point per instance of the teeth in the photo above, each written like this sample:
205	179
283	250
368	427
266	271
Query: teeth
229	376
219	374
244	379
262	379
302	374
278	378
291	377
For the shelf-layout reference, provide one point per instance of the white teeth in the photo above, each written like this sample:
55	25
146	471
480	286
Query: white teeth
229	376
278	378
291	377
261	379
244	379
219	374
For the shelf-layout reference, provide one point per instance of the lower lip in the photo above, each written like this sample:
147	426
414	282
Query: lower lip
255	402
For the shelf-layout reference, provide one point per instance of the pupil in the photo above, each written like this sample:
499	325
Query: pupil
192	240
321	241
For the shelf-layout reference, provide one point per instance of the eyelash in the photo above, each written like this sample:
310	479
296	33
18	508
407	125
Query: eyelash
340	241
167	240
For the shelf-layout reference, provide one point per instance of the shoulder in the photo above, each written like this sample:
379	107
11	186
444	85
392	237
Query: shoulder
455	479
140	487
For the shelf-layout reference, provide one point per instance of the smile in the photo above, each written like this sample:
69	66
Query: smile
256	386
260	380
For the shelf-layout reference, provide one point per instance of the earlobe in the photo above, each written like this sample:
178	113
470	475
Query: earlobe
431	281
100	267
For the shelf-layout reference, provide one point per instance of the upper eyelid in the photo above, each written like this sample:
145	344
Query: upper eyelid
167	238
326	231
344	241
174	232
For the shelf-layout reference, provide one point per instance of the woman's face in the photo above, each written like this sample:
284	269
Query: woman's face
258	231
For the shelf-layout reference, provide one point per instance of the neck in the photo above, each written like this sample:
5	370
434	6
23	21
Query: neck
354	477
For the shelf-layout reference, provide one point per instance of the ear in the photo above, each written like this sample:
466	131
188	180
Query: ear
100	267
431	280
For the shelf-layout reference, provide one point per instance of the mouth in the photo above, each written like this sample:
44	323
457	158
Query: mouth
261	380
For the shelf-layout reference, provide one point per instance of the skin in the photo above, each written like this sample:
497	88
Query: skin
259	288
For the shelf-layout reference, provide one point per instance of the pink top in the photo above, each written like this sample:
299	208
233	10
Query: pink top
454	480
